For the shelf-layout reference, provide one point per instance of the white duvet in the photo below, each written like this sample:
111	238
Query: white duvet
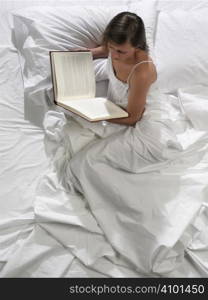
136	224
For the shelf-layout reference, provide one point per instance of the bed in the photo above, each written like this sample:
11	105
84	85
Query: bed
48	230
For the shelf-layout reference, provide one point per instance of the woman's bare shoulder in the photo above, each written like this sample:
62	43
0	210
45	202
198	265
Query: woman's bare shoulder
146	70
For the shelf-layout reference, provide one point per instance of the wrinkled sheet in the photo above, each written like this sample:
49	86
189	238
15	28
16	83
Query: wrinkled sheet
147	216
140	224
194	102
22	159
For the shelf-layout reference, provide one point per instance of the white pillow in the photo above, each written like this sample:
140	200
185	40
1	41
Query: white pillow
37	30
148	12
170	5
41	29
181	48
194	102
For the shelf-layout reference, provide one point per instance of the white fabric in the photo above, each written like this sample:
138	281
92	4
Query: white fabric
22	159
181	49
169	5
194	101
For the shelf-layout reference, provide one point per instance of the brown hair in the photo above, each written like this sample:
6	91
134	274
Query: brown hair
126	27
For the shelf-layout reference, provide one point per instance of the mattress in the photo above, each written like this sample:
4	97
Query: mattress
36	236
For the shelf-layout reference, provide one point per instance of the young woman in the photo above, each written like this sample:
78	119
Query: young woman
130	69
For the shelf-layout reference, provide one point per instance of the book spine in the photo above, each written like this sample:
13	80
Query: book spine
52	77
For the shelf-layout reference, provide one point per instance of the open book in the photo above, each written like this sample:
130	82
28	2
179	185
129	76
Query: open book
74	86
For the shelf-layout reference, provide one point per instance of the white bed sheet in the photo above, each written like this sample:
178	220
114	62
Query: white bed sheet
22	155
31	246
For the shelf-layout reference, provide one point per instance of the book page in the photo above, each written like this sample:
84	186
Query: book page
74	75
96	109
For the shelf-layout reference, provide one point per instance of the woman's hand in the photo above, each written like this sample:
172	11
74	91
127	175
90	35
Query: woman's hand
97	52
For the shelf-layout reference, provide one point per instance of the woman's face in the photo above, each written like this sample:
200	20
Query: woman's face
123	52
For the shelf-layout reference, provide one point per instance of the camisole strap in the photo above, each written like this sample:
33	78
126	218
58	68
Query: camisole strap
132	70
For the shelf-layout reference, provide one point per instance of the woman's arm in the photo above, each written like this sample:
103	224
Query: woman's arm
139	86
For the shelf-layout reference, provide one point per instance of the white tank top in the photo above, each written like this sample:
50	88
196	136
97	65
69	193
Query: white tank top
117	89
